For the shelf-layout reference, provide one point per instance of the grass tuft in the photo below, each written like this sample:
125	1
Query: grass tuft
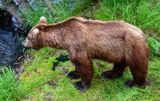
154	46
10	88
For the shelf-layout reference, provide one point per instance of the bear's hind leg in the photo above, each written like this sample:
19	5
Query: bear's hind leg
139	73
139	68
117	71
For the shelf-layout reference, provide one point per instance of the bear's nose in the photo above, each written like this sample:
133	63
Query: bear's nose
24	43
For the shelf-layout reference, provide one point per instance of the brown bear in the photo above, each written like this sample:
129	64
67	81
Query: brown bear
117	42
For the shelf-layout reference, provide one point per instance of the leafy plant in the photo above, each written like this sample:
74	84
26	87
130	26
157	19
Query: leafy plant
154	46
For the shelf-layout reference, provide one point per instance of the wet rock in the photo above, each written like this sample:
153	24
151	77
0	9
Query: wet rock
10	34
10	49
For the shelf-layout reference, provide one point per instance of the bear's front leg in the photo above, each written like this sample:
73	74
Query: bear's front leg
85	70
83	65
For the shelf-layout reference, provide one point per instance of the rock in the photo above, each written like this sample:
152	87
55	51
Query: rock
10	49
10	34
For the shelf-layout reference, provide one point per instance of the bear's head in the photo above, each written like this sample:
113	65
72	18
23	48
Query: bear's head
33	40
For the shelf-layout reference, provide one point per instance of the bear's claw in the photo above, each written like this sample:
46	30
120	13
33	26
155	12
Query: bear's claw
72	75
130	83
81	86
107	74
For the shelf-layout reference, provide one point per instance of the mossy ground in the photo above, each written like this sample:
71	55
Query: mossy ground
45	84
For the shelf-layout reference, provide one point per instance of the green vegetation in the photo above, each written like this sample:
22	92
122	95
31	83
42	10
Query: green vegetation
143	13
47	84
61	11
154	46
40	83
10	88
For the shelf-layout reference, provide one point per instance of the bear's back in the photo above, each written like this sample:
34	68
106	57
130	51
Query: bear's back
110	39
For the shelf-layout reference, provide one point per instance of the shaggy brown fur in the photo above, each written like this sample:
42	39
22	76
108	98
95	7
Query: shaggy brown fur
114	41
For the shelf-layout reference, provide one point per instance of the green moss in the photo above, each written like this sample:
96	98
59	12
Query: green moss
100	89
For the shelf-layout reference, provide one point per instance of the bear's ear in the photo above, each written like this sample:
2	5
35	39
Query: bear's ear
43	20
35	33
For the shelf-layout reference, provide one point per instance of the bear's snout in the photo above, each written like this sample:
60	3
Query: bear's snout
26	43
